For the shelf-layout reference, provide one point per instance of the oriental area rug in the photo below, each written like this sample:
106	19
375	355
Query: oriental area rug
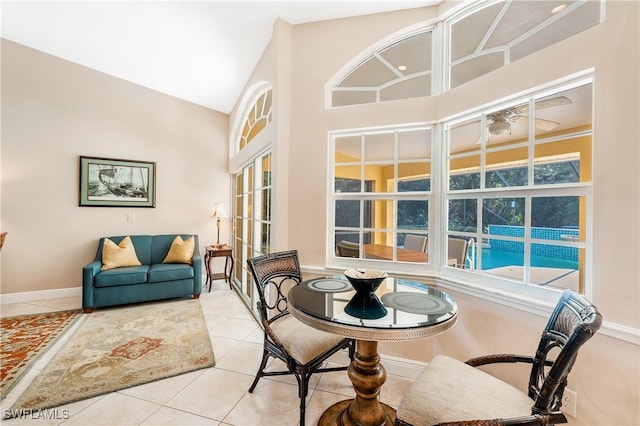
121	347
25	338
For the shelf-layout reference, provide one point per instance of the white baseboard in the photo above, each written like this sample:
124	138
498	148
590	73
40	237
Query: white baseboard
402	367
31	296
393	365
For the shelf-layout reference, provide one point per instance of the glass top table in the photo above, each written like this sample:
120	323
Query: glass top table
401	310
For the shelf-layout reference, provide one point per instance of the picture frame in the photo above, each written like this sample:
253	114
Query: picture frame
113	182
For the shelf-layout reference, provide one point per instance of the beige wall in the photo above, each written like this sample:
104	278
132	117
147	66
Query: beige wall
273	68
54	111
320	50
607	376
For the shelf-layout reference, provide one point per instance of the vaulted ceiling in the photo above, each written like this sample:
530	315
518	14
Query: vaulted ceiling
202	52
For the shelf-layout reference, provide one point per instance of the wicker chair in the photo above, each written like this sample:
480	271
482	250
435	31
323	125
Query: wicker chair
450	392
303	349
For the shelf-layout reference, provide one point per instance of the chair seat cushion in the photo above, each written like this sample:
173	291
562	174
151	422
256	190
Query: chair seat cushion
450	390
302	342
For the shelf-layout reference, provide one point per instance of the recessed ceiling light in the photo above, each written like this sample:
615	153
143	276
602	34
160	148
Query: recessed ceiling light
559	8
402	67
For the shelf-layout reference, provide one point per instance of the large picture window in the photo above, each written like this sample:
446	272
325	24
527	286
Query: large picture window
509	195
381	188
519	188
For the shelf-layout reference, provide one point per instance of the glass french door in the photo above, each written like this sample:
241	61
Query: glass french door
252	220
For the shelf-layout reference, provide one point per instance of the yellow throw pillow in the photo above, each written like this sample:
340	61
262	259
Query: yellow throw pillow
181	251
118	256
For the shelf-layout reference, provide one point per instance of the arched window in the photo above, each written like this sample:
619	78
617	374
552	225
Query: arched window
258	117
494	34
252	185
397	70
480	38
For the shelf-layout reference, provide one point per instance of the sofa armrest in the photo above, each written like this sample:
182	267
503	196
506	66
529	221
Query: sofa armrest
196	261
88	274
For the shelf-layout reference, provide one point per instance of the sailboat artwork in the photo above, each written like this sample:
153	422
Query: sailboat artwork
122	182
110	182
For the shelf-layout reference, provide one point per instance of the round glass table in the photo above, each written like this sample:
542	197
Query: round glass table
399	310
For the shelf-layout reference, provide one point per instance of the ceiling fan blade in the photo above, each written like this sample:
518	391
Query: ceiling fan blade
546	125
552	102
545	103
541	123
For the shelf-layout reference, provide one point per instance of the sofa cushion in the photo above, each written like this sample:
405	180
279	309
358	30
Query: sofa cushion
169	272
120	255
160	246
122	276
181	251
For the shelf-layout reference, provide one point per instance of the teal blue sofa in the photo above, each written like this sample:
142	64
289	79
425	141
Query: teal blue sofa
153	280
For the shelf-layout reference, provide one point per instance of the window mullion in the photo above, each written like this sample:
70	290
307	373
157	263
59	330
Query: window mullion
531	148
439	191
440	46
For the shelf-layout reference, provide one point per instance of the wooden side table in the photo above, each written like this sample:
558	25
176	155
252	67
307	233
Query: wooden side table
224	251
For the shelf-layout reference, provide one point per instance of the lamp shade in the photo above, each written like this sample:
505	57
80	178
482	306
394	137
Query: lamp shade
499	127
220	212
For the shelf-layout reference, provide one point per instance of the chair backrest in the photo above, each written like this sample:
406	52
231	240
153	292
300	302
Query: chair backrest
348	249
415	242
457	247
273	275
573	321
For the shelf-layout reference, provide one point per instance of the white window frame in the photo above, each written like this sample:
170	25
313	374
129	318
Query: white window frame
374	51
480	280
333	261
478	6
473	282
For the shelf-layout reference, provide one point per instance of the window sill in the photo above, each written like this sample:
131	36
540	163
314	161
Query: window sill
523	297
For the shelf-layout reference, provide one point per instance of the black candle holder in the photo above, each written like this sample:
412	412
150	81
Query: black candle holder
365	303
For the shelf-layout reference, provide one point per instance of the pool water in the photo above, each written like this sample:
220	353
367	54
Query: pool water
496	258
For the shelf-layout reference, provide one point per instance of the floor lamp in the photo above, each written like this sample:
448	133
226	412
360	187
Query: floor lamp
219	213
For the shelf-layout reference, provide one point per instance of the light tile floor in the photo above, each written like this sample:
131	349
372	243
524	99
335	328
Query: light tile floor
214	396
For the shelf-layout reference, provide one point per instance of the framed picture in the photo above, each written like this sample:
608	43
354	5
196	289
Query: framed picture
110	182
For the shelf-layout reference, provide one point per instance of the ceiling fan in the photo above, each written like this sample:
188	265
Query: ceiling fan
499	122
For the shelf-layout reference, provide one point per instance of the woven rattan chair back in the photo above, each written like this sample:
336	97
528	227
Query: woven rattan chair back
574	321
274	274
